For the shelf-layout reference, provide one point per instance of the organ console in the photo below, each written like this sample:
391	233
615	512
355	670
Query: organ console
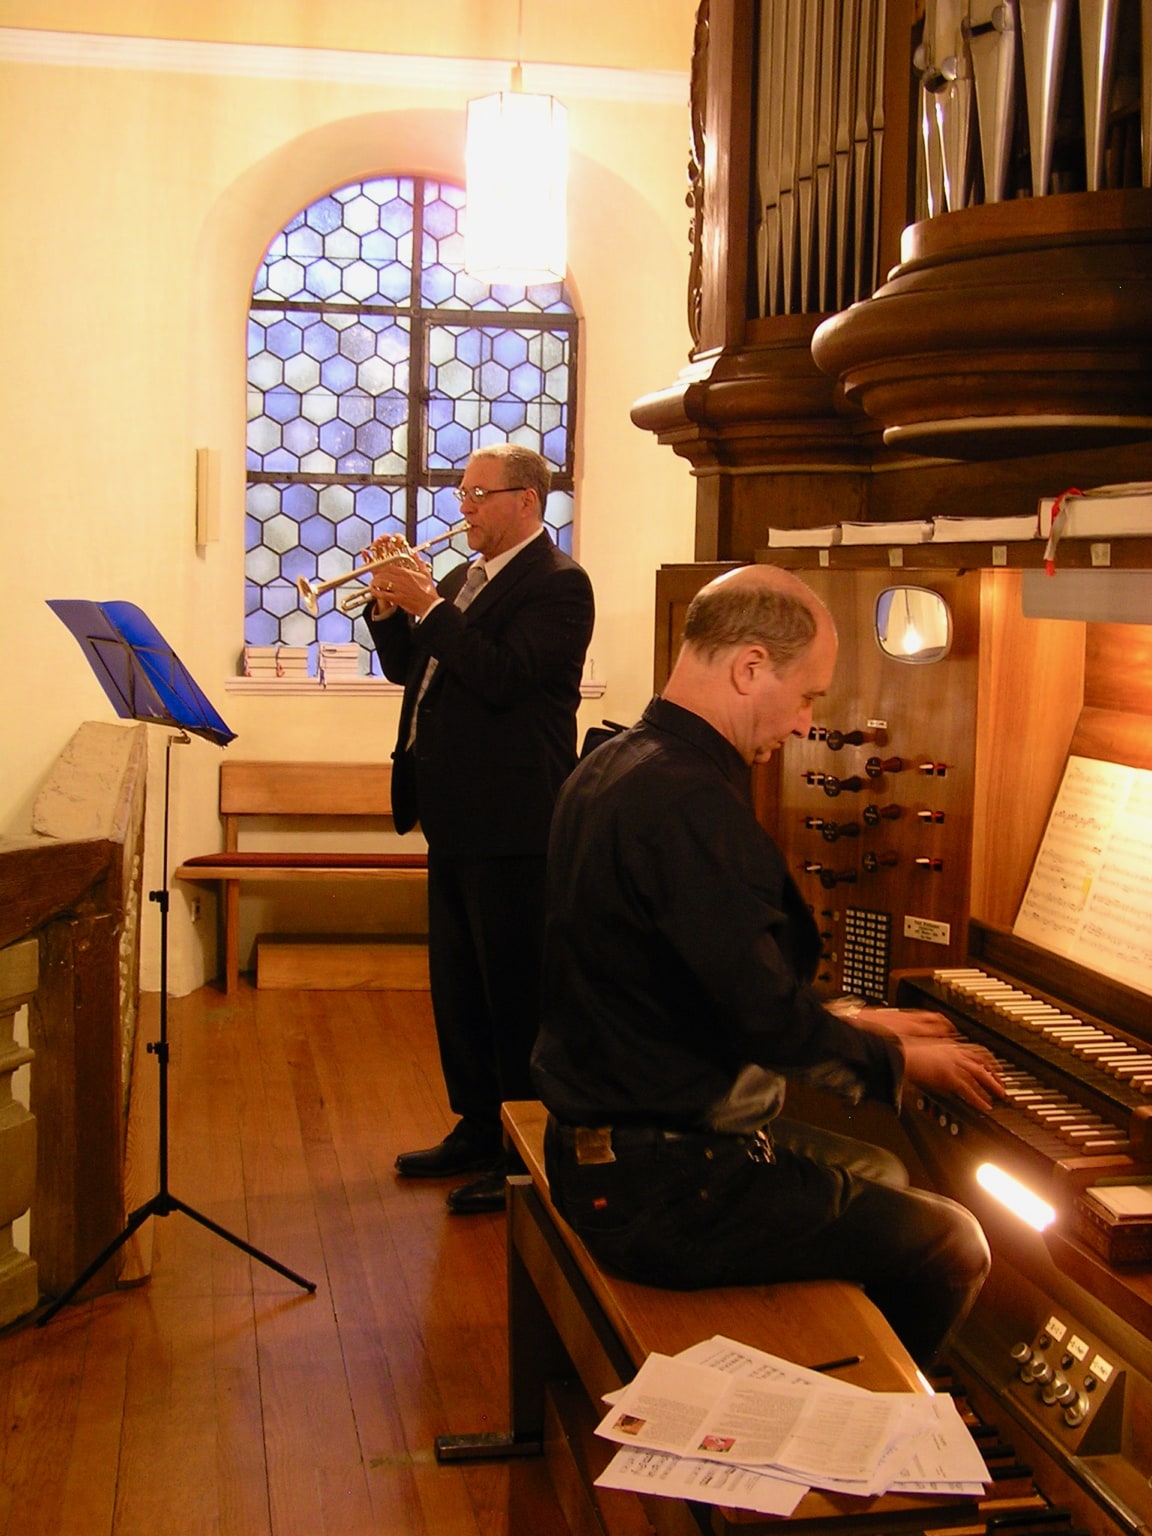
917	906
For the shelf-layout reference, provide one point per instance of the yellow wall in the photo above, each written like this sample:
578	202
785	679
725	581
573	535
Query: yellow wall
140	191
619	34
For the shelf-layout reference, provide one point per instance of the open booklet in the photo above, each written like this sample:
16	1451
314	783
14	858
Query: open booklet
1089	897
728	1424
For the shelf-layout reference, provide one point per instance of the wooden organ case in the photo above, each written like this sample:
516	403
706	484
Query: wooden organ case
920	289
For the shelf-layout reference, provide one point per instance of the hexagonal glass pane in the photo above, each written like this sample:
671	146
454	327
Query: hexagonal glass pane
263	501
263	435
298	501
317	534
265	371
337	501
301	372
283	338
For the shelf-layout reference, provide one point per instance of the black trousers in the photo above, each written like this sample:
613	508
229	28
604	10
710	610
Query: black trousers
688	1211
485	937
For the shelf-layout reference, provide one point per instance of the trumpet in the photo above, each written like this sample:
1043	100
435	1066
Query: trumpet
352	601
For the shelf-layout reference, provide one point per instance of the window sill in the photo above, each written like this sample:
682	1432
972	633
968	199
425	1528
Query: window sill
282	687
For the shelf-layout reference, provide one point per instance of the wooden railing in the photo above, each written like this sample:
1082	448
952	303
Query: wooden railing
69	947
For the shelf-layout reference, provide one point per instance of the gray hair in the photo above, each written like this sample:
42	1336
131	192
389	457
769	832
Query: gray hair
522	466
726	614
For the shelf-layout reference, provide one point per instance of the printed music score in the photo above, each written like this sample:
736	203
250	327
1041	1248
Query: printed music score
1090	894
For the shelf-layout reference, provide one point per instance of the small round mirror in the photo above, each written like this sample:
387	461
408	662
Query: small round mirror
913	624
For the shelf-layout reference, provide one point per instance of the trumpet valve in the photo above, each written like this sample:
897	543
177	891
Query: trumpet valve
351	602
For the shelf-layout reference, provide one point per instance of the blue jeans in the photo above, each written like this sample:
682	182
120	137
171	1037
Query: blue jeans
686	1211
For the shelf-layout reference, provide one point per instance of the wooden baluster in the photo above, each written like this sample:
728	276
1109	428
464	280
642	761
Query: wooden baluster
19	1283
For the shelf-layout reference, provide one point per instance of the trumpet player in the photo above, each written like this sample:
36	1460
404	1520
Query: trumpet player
490	660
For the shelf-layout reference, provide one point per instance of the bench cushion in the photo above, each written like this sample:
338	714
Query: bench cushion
268	860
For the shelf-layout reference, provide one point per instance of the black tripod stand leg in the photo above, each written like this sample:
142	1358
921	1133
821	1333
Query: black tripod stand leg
238	1242
137	1219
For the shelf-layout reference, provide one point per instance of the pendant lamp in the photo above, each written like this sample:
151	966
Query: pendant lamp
516	192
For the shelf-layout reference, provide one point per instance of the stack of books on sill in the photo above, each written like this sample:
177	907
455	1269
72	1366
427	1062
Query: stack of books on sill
276	662
259	661
292	661
339	665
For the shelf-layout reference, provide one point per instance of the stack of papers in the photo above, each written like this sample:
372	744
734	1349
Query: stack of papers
726	1424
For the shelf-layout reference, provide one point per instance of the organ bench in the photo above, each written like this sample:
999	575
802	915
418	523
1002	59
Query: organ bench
576	1332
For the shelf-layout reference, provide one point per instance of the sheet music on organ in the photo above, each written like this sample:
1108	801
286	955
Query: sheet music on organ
1089	897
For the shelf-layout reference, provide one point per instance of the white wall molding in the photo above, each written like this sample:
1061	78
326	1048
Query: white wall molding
93	50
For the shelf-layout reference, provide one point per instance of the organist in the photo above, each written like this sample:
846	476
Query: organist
678	959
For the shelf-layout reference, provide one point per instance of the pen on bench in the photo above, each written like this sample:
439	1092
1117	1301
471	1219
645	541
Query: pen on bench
835	1365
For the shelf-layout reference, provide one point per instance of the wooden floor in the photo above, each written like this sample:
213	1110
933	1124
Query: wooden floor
219	1398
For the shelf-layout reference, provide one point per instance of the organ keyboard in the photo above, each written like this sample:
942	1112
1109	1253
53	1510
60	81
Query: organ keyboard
1091	1107
1060	1340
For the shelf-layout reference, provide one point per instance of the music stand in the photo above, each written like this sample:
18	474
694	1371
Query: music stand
145	680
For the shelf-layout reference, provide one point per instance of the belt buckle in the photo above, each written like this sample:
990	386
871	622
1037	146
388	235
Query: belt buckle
594	1145
760	1148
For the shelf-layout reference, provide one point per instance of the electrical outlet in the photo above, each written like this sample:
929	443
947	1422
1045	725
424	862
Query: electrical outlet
194	909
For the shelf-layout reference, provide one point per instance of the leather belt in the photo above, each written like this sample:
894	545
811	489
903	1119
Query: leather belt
600	1143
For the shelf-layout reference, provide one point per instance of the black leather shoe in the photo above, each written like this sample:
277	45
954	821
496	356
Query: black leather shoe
460	1152
484	1194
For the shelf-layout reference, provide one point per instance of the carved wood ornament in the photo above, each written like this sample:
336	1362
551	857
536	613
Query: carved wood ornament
920	235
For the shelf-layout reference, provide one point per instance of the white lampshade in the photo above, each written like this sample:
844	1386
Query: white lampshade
516	198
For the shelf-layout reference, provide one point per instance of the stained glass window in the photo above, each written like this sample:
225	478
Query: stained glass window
376	366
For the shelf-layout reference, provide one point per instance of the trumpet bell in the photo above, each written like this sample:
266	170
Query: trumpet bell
308	595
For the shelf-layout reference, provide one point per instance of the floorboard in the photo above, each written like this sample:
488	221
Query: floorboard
217	1396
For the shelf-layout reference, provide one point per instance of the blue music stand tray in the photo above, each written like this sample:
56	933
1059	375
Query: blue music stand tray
145	680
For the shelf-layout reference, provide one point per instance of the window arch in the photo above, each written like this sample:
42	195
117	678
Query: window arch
376	365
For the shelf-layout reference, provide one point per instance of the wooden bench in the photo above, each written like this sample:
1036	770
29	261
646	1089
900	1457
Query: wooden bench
322	791
576	1333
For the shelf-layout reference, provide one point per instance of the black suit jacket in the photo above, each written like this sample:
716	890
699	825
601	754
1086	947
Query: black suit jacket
496	733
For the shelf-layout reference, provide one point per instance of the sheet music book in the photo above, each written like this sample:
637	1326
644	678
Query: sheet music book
964	530
804	538
1109	511
1090	894
918	532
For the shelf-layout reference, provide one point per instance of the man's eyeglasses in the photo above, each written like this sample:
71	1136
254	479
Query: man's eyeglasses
480	496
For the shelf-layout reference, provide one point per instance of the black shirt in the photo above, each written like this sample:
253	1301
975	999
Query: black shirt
678	949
